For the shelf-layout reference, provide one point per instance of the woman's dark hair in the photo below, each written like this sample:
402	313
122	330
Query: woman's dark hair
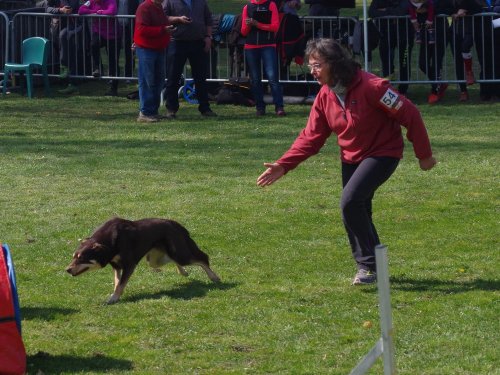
343	67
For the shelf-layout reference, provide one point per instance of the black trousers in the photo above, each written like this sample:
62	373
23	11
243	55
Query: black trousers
360	181
396	34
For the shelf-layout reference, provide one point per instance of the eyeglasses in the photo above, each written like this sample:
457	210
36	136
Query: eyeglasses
314	67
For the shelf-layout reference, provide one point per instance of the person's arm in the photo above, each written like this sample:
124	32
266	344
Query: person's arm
109	8
401	109
86	8
275	20
245	27
208	28
310	140
52	7
143	25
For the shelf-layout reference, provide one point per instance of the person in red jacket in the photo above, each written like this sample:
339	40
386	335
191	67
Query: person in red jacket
366	114
151	38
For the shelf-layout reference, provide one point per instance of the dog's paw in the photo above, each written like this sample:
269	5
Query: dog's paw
215	278
113	299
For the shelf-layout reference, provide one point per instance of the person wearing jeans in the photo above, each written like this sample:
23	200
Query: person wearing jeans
151	37
260	22
151	73
366	114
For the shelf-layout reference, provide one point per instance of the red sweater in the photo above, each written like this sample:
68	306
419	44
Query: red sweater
150	22
368	126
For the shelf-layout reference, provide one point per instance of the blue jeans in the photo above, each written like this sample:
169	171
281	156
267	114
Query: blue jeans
179	51
151	74
269	59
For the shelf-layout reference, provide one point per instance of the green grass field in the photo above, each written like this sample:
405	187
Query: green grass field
285	305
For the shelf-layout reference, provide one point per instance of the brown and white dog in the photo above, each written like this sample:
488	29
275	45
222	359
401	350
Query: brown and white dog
123	243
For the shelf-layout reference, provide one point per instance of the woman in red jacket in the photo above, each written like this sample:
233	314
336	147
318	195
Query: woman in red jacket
365	113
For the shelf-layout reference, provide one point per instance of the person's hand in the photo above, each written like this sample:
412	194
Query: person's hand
66	9
184	19
170	29
273	172
427	164
250	22
208	44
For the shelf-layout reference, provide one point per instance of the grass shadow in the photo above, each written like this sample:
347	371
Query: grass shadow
445	286
191	290
42	362
44	313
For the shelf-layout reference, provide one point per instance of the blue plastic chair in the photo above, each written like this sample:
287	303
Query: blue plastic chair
35	52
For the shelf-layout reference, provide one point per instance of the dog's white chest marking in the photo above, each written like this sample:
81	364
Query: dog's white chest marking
157	258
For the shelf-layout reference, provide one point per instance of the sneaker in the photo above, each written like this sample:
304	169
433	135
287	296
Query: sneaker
96	73
70	89
431	37
63	72
441	89
280	112
469	77
364	277
260	112
170	115
464	96
143	118
418	37
435	97
209	113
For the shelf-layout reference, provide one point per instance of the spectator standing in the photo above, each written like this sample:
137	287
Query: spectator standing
151	38
430	57
322	8
487	41
426	7
260	22
127	7
395	33
462	40
67	31
105	33
366	114
191	41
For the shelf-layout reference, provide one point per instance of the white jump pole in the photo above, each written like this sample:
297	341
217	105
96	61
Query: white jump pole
384	346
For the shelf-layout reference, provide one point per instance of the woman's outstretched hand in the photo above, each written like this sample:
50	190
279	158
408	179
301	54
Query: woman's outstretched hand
273	172
427	164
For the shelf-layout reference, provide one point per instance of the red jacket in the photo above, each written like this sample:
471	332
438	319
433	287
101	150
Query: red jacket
368	126
150	22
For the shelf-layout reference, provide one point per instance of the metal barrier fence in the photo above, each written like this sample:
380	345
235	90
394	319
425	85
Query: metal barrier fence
88	54
4	39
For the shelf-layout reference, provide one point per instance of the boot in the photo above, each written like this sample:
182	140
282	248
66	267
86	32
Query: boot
469	74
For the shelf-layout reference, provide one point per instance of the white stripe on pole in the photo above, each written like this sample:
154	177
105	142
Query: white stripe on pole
365	33
384	345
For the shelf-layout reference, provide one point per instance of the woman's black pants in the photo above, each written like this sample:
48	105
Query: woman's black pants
359	183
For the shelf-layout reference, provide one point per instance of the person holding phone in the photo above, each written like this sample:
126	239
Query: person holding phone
191	41
260	23
366	114
151	37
